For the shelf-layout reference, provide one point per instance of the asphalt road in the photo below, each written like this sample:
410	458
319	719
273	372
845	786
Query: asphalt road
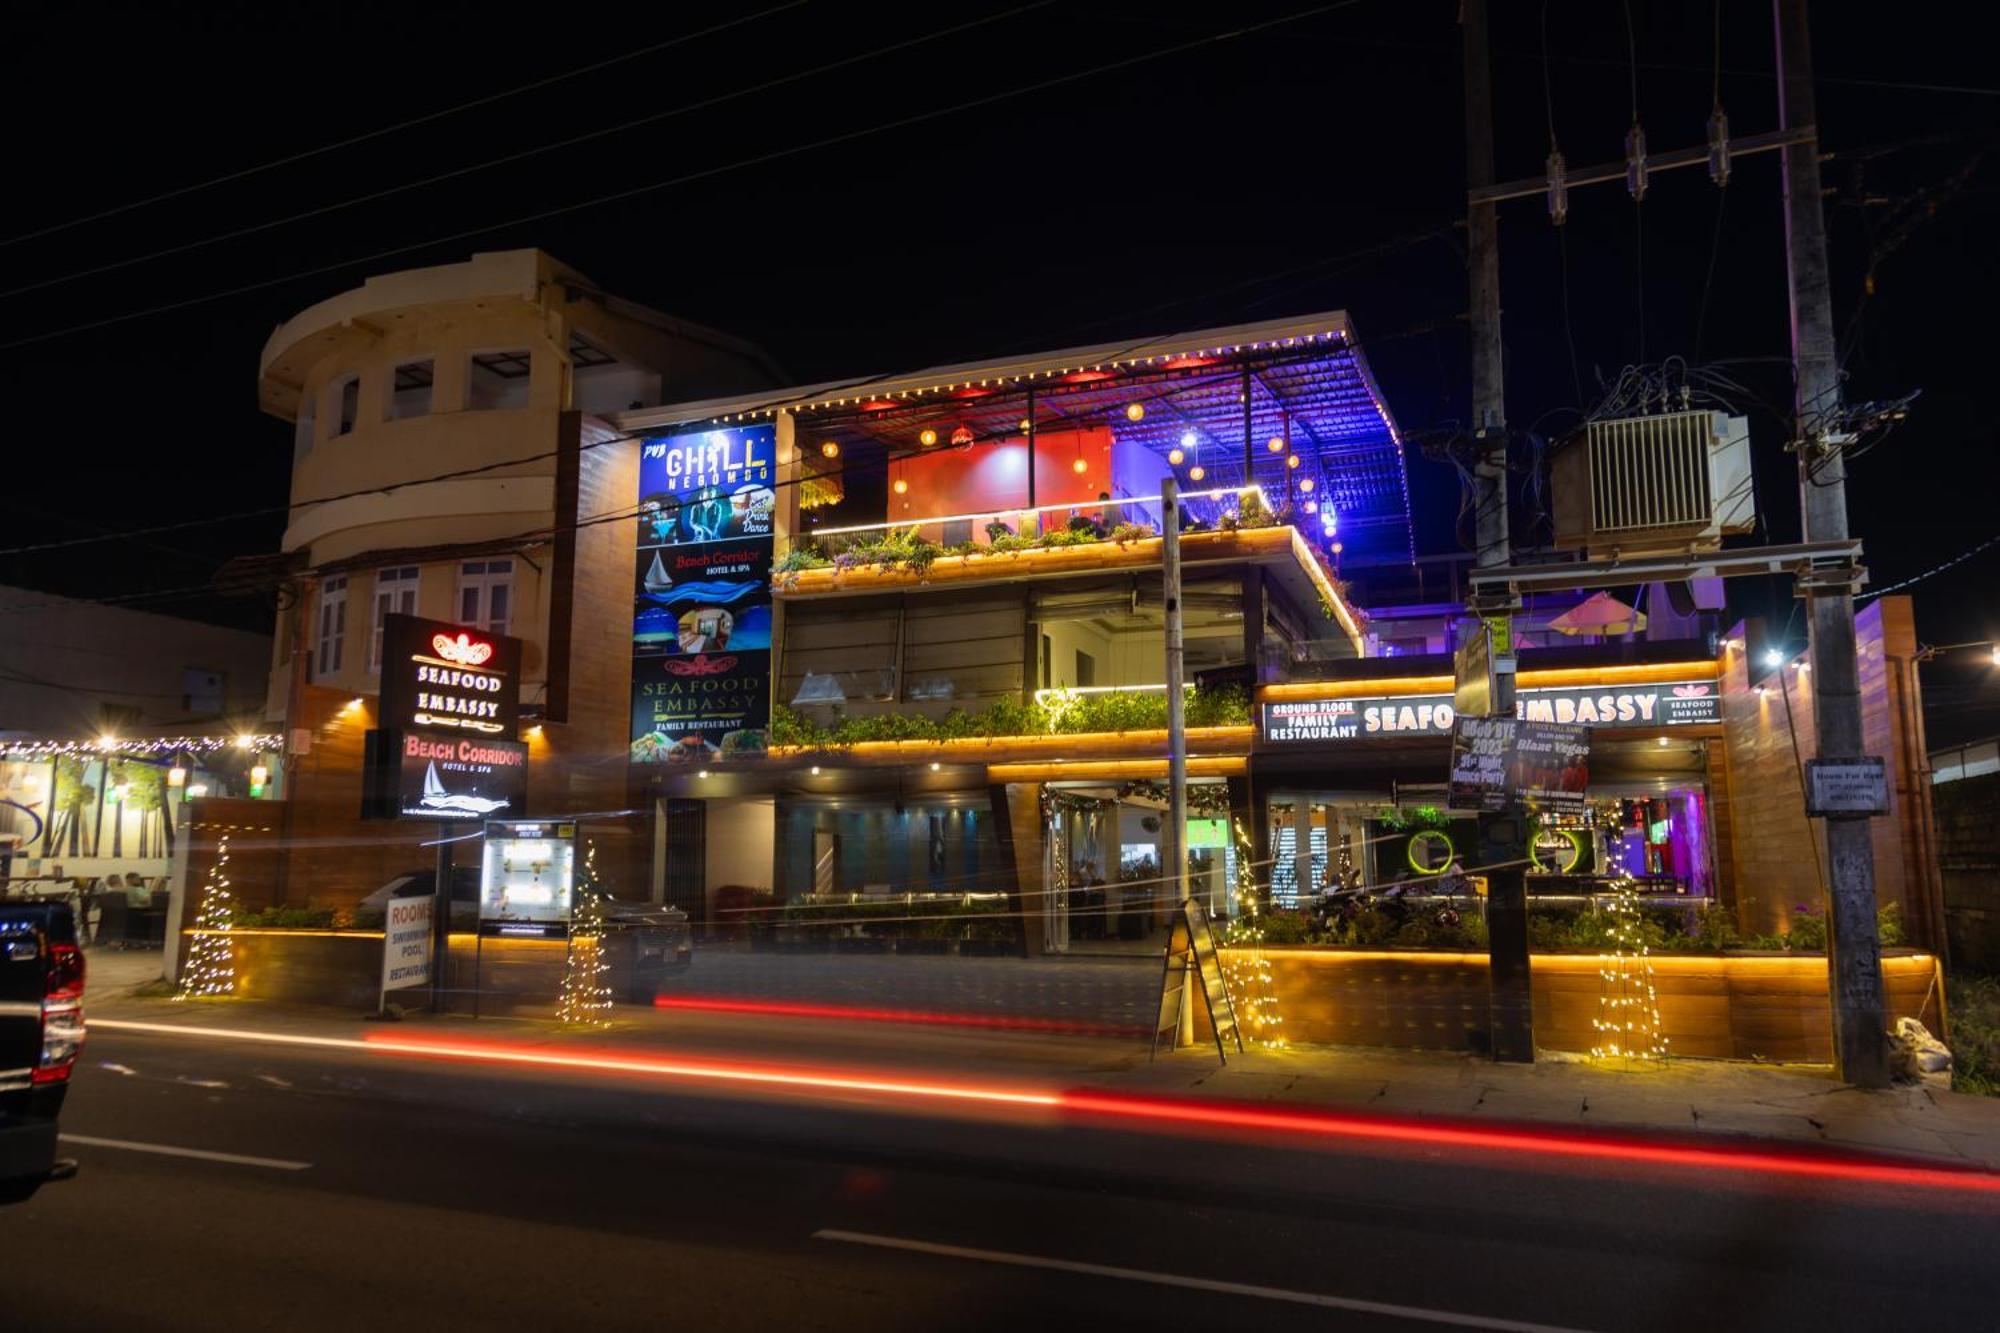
344	1190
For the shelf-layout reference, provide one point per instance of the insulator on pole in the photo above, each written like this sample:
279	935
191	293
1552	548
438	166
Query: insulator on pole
1718	147
1558	187
1635	162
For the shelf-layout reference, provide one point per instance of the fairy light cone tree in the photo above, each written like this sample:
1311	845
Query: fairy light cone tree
585	1000
210	967
1246	972
1628	1005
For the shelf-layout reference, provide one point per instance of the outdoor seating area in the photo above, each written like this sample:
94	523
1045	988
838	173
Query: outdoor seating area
114	911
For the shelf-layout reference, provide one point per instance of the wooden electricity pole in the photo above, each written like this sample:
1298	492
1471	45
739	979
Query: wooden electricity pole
1854	956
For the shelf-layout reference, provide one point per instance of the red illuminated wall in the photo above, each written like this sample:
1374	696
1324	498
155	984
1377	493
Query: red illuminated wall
993	476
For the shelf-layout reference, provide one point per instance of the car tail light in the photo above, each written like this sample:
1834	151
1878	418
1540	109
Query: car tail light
62	1014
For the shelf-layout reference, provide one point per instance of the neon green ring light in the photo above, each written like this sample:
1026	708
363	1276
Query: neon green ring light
1417	839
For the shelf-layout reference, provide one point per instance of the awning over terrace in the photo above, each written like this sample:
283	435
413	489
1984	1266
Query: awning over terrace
1287	404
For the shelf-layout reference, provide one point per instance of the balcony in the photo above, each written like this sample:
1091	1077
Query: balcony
1225	526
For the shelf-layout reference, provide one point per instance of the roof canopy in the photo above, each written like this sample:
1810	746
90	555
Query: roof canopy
1238	400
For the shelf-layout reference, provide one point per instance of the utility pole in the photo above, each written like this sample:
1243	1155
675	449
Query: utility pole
1502	837
1854	955
1173	858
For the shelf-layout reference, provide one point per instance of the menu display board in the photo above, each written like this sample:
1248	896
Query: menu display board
701	622
527	877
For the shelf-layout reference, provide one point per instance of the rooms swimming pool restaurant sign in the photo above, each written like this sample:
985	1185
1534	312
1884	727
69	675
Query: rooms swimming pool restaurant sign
701	595
1674	703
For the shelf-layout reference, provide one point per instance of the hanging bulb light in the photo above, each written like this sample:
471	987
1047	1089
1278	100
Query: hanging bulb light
1275	444
1293	461
927	437
1135	411
901	486
1197	472
1312	506
1079	466
829	450
1306	484
1176	457
1026	425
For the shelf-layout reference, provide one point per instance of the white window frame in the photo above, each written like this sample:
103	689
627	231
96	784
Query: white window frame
338	422
330	640
482	578
395	593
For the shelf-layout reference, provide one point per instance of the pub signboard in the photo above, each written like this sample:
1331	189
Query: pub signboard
701	594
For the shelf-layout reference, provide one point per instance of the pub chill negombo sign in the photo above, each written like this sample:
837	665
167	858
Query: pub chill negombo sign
1668	704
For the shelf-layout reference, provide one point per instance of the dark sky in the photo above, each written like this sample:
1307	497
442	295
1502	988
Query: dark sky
1315	164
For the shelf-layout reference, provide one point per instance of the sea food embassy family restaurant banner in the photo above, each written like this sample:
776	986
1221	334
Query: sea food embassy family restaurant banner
701	595
1672	704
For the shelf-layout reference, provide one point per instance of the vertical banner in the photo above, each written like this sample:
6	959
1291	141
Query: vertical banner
701	586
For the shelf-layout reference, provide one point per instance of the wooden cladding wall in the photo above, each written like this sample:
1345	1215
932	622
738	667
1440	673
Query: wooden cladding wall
916	653
1778	854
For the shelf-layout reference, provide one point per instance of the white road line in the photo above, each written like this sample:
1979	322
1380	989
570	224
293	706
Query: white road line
199	1154
1412	1312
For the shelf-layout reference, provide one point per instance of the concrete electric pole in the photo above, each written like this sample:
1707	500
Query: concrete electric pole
1502	837
1854	958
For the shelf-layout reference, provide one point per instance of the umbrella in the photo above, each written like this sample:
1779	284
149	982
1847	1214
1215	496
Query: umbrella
1600	614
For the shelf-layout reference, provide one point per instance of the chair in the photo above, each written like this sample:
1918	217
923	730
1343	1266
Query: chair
114	920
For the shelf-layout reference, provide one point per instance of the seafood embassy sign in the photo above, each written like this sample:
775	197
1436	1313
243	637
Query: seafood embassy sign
1675	703
450	706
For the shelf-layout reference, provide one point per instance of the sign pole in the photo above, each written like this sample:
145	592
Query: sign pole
1173	853
440	916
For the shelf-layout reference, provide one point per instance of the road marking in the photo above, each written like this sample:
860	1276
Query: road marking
199	1154
1413	1312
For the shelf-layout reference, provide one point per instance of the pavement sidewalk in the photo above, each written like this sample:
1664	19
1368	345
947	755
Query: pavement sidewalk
1688	1099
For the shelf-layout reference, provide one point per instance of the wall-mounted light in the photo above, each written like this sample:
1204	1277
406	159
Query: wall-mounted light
107	741
815	770
935	765
702	774
245	741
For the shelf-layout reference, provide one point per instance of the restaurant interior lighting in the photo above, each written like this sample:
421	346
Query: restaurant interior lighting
1275	444
1306	484
1294	461
927	437
1135	411
829	449
1026	425
901	486
1197	472
1176	457
1079	467
177	776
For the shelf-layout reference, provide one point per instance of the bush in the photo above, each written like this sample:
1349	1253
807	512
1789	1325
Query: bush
1975	1033
1808	932
283	918
1286	928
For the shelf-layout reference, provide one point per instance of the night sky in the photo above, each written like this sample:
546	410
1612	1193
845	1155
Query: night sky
1316	164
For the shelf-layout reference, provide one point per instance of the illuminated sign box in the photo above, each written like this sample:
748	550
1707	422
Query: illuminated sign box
439	776
453	678
1669	704
527	878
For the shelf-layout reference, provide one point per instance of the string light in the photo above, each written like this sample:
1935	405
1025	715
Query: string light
585	1000
1628	1005
141	747
210	968
1246	970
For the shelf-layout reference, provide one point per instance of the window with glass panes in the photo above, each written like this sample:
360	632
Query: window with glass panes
395	594
486	594
332	638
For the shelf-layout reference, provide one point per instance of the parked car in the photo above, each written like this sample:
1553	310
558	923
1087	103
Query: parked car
41	1035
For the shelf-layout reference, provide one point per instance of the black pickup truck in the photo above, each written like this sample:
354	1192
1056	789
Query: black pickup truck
41	1034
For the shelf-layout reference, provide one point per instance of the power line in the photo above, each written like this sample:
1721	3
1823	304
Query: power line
618	196
587	136
1936	569
425	119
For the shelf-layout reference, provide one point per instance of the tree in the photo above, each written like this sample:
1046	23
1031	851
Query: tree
211	962
585	1000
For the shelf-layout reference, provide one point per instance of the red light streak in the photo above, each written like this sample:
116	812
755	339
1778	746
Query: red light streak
1629	1151
718	1004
